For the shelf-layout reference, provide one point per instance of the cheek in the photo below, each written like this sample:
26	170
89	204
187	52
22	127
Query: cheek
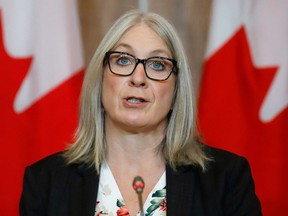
108	87
111	89
109	82
165	96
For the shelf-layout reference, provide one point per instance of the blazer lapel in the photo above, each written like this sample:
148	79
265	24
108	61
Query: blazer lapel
84	189
180	189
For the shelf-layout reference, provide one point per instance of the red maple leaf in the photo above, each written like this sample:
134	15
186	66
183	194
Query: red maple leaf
231	95
45	128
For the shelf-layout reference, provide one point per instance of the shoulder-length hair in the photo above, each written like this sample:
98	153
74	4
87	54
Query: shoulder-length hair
179	146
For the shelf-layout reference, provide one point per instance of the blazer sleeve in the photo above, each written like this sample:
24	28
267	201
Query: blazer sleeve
241	198
32	198
53	188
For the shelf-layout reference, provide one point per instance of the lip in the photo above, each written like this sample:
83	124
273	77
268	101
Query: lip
136	104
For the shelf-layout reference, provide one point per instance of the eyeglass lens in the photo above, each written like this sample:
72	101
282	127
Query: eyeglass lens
158	68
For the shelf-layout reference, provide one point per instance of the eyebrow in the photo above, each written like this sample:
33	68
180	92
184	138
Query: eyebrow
153	53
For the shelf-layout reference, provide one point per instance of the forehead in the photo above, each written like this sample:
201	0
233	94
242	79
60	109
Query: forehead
142	38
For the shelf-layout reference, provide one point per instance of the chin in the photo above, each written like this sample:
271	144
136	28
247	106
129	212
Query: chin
134	125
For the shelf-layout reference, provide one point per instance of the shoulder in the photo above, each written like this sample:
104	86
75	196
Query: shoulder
224	160
217	153
48	170
227	181
50	181
222	165
52	172
55	166
52	162
233	177
229	175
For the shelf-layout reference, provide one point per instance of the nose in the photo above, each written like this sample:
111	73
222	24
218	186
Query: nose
138	77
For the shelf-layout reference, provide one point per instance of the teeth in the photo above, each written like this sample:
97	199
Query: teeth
134	100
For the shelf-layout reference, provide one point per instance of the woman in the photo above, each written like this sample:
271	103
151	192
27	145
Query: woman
137	119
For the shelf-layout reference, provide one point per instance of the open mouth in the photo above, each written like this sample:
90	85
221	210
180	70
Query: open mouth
135	100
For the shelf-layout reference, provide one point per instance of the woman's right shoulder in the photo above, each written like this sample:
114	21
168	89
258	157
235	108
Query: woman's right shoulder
51	162
56	164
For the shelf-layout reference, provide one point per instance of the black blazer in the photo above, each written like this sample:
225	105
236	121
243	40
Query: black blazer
52	188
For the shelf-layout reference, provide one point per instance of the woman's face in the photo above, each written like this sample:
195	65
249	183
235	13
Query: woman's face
137	103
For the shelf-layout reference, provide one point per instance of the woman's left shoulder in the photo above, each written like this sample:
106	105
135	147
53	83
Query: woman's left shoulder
225	160
229	175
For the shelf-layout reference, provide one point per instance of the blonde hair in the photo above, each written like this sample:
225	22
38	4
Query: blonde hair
179	146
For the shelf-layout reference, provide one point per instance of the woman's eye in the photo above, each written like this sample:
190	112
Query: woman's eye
157	65
123	61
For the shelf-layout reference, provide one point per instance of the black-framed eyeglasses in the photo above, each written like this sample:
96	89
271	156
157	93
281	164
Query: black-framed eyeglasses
156	68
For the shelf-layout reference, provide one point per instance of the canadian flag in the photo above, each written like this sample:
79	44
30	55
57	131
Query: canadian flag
41	68
244	92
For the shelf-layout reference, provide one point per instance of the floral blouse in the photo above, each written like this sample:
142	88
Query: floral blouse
110	201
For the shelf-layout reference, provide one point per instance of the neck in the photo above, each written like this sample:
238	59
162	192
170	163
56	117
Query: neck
134	151
131	154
